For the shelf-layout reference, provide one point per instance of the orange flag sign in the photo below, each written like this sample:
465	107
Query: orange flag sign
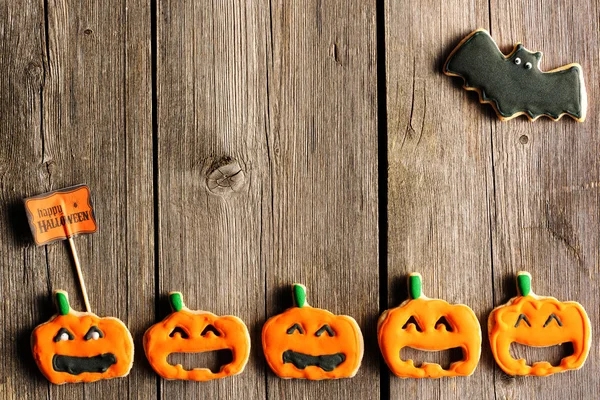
60	214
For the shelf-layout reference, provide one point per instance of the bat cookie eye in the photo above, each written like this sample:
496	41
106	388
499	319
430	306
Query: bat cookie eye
528	65
517	61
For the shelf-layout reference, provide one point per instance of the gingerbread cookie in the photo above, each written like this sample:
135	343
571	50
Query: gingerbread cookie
311	343
514	84
538	321
80	346
190	331
419	323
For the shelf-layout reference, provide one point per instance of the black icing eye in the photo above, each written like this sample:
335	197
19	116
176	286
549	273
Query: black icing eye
412	320
94	334
517	61
323	329
63	335
181	332
210	328
522	317
528	65
444	322
294	328
553	317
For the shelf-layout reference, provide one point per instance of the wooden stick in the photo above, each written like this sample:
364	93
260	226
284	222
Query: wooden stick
80	275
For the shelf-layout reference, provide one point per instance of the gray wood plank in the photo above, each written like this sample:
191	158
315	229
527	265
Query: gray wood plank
546	198
96	129
214	221
323	156
440	180
139	193
23	279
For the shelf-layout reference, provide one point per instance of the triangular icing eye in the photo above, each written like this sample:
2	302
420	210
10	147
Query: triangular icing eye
210	328
444	321
184	334
323	329
94	334
522	317
294	328
553	317
412	320
62	335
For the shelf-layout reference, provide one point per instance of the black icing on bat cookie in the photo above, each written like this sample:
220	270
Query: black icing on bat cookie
514	84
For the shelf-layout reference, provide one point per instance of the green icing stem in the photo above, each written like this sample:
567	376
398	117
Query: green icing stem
62	303
176	301
299	293
524	283
414	285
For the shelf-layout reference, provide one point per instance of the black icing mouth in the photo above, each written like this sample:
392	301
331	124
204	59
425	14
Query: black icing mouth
77	365
326	362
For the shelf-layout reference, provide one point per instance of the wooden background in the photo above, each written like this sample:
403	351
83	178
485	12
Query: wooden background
233	148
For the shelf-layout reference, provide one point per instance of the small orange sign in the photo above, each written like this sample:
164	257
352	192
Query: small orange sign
60	214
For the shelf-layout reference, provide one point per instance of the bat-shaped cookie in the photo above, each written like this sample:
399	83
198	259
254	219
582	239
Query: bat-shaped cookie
513	84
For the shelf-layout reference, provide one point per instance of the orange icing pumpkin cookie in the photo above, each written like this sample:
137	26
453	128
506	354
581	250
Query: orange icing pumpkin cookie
538	321
311	343
190	331
419	323
80	346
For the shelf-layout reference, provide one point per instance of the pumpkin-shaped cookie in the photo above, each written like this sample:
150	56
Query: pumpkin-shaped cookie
538	321
190	331
80	346
419	323
311	343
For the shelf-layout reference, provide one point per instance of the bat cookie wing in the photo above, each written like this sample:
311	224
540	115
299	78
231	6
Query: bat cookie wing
513	84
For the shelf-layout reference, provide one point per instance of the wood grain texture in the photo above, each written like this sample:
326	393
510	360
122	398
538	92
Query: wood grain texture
84	117
264	146
24	282
440	179
323	156
472	187
97	130
215	236
546	188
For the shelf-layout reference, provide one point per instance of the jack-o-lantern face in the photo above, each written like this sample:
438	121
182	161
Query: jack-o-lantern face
188	331
311	343
80	346
538	321
417	323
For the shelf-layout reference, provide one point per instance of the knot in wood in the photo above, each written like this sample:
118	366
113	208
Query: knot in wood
523	139
34	73
225	176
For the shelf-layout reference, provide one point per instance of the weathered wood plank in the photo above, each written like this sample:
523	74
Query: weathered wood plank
214	232
95	118
439	184
139	192
23	283
323	156
546	218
